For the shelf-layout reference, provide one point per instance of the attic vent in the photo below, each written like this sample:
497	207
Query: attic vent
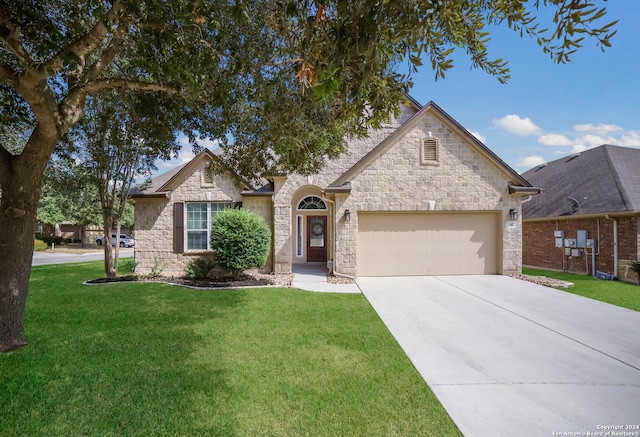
429	152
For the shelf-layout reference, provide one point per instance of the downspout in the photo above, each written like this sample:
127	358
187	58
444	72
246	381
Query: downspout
615	244
333	232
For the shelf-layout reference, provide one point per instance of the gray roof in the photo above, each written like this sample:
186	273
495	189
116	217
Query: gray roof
602	180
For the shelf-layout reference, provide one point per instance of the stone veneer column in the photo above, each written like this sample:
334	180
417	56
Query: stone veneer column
281	226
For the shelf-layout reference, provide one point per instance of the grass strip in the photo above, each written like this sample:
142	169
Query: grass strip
617	293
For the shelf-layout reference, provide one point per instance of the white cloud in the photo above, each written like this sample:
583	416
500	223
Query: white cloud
479	136
600	128
514	124
630	139
531	161
591	140
554	140
186	151
577	148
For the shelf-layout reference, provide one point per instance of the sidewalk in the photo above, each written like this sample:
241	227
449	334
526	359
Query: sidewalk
313	277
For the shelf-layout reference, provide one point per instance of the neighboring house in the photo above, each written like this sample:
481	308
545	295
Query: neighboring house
592	195
419	196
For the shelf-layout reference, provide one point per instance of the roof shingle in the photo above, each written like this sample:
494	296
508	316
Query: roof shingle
605	179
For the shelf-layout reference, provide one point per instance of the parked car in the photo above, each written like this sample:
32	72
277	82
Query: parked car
125	240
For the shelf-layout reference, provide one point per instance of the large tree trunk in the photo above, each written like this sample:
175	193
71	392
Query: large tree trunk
18	206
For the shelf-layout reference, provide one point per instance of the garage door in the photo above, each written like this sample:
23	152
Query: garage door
406	244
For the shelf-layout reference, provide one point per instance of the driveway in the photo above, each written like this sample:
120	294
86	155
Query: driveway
49	257
508	357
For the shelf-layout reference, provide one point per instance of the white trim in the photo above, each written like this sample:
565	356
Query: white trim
311	209
300	236
208	230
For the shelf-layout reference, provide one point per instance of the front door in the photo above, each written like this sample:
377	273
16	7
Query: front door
316	239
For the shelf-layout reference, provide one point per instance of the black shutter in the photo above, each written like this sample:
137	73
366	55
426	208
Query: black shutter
178	227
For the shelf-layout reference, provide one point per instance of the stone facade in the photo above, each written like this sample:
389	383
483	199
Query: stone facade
462	180
538	235
385	173
154	221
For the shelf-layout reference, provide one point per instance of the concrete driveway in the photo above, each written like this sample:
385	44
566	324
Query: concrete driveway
508	357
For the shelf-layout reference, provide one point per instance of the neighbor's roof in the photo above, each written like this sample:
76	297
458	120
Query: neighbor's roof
602	180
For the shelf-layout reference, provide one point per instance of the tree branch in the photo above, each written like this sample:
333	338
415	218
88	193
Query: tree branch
10	35
106	58
101	84
83	46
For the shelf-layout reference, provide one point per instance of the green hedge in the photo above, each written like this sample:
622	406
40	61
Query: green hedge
39	246
241	240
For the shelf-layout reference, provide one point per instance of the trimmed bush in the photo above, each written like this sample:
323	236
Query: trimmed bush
241	240
198	268
39	246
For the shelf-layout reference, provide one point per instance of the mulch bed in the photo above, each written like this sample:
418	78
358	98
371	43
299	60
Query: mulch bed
246	280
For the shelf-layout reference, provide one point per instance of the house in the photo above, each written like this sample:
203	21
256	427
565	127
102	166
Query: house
586	218
419	196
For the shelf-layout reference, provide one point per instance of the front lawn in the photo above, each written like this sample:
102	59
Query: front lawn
617	293
154	359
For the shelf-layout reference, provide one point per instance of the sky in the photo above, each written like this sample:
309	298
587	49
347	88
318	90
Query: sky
546	110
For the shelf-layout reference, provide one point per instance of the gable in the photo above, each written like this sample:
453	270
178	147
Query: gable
431	129
165	183
429	162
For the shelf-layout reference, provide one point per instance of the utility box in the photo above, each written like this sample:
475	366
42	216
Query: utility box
559	242
570	242
567	251
591	244
581	241
576	253
558	234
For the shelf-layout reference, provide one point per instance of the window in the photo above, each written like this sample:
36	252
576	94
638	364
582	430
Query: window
429	152
312	202
199	218
299	235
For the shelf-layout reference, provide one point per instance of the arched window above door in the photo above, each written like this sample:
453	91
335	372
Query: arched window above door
312	202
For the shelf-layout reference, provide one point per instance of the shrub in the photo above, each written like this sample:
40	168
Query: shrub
635	267
39	245
128	265
241	240
157	268
198	268
49	239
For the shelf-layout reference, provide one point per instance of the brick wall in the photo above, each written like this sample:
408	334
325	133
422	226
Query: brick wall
539	245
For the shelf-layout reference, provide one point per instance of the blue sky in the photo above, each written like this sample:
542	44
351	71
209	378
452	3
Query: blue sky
546	110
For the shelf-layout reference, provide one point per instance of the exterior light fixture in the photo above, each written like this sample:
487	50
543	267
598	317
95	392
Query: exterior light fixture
513	214
347	215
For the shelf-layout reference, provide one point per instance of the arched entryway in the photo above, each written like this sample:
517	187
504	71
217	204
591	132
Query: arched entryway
310	227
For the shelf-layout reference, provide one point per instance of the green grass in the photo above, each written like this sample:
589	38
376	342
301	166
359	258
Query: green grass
153	359
617	293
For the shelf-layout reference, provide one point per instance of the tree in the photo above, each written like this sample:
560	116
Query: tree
116	145
287	79
241	240
67	195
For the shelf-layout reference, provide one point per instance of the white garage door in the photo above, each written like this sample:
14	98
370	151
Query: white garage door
406	244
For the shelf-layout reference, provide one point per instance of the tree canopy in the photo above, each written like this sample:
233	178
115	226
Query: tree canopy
288	80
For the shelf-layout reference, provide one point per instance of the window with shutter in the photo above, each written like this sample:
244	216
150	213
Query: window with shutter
178	227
